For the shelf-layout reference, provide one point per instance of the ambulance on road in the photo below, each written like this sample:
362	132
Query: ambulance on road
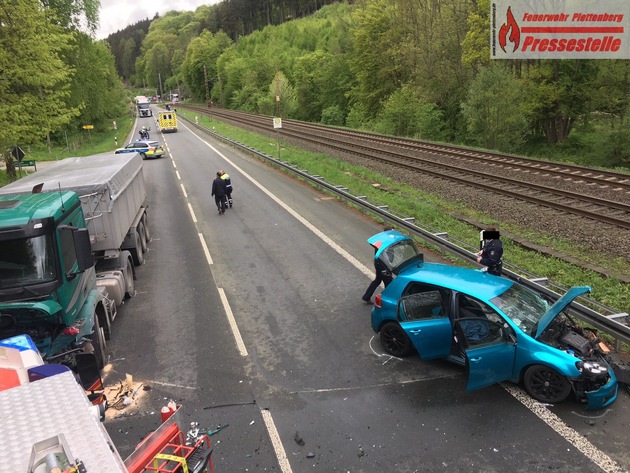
167	121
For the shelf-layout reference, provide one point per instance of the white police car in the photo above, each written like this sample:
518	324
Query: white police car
147	149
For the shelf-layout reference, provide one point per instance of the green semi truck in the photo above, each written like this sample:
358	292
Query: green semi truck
70	239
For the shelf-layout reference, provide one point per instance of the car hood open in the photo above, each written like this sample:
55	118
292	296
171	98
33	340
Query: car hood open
559	306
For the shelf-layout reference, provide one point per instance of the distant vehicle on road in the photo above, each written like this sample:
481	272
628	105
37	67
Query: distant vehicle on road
167	121
144	106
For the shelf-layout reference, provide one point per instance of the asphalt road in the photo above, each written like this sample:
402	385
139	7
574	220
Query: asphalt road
298	376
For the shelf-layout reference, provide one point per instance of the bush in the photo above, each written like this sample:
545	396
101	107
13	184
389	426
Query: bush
332	116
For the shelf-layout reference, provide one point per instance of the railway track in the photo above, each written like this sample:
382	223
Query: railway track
470	168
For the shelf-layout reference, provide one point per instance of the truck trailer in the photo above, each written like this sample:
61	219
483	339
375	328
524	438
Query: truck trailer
70	238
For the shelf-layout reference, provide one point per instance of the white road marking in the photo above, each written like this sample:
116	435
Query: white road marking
184	191
580	442
281	455
171	384
179	178
206	251
192	212
235	331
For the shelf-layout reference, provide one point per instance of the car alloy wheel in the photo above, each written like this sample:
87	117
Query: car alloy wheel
546	385
395	341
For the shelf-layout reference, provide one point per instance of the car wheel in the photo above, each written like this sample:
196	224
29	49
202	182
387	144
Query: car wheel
395	341
546	385
144	156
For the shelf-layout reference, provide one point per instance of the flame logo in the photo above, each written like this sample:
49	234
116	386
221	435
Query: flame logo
510	28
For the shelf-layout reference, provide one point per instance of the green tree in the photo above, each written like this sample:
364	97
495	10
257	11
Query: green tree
74	13
495	109
96	89
378	60
34	81
559	92
200	62
405	114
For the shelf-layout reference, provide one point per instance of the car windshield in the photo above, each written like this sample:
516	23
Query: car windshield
27	261
523	306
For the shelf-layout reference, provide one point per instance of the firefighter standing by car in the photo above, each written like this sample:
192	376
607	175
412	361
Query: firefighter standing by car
491	252
228	187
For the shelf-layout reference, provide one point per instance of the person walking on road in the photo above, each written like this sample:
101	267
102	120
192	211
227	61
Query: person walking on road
219	193
228	186
382	276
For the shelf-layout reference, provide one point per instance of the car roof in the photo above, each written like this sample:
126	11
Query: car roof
475	282
146	142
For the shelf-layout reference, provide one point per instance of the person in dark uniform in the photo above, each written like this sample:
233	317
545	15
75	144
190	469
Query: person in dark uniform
228	186
491	253
382	276
219	192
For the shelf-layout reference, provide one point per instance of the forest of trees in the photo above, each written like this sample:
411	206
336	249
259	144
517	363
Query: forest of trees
413	68
53	76
416	68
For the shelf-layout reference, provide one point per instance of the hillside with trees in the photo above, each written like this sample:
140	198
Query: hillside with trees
402	67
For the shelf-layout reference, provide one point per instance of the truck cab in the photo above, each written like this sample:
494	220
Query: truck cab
47	276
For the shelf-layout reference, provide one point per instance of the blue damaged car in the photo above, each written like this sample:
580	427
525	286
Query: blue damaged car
497	328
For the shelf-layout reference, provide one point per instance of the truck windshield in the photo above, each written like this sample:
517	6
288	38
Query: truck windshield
27	261
144	105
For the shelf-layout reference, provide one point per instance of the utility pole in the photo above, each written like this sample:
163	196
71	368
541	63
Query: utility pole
160	80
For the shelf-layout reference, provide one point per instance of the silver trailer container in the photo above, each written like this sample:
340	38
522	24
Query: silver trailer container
112	192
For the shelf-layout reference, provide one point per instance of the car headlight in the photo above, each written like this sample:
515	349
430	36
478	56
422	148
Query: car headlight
591	369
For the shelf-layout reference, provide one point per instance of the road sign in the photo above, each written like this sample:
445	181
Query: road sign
277	122
88	127
17	153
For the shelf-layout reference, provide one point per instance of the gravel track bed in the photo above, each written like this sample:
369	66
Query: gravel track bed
594	236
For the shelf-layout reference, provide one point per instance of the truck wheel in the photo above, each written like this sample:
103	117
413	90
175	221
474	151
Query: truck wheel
136	253
143	236
99	344
130	289
147	231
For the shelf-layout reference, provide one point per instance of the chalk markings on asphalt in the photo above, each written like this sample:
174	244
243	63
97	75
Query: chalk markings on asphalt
598	457
576	439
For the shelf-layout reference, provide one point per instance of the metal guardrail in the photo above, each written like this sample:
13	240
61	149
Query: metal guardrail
613	323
